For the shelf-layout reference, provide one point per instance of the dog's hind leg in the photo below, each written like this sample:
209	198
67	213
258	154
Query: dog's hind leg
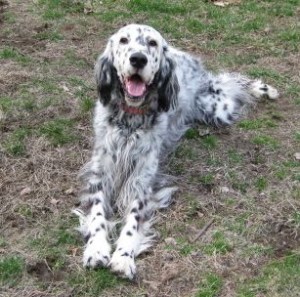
226	97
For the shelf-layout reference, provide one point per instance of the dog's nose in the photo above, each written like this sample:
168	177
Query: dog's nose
138	60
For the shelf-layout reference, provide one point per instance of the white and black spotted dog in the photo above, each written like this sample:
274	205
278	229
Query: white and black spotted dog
149	94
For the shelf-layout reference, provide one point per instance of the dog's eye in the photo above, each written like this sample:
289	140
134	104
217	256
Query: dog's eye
124	40
152	42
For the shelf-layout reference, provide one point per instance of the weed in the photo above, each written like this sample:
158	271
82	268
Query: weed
210	286
11	269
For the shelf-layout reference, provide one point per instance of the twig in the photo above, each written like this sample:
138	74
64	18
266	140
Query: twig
203	230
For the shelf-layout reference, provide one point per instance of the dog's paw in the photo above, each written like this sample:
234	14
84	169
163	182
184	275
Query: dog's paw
258	89
122	263
96	253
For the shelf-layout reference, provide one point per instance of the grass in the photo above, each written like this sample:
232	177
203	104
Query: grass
9	53
210	286
11	270
219	245
59	131
280	278
46	102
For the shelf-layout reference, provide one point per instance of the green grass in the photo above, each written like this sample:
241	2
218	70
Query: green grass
93	282
11	270
210	286
278	278
219	245
9	53
59	131
57	9
261	183
266	141
257	124
15	143
210	142
53	244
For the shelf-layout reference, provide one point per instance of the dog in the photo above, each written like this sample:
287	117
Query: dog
149	95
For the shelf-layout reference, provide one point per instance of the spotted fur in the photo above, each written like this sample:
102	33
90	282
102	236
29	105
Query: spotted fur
134	136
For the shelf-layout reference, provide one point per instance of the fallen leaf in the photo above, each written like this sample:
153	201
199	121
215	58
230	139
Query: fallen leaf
69	191
25	191
297	156
54	201
226	2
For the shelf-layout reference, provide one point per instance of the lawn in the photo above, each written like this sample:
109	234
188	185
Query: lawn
242	183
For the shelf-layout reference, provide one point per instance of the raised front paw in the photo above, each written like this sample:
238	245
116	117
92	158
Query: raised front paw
123	264
96	253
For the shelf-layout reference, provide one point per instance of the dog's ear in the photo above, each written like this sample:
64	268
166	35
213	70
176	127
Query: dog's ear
168	87
105	75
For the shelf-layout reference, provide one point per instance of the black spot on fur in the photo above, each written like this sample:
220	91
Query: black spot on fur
137	218
97	201
102	226
99	214
134	210
128	233
141	205
97	229
87	237
125	255
225	107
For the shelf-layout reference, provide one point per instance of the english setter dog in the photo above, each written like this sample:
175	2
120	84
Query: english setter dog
149	94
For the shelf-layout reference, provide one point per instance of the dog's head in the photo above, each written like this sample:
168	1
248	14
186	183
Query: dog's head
136	68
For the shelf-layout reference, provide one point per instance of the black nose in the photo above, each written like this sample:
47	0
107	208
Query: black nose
138	60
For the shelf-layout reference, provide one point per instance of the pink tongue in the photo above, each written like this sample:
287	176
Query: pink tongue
135	88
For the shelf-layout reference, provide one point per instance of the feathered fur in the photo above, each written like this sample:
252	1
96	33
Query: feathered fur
134	134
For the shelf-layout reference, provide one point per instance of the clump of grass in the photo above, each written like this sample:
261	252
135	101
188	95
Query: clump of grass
13	54
53	245
265	140
219	245
257	124
261	184
279	278
11	269
56	9
15	144
191	133
210	142
210	286
93	282
59	131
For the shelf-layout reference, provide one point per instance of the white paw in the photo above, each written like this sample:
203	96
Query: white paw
96	253
123	264
258	89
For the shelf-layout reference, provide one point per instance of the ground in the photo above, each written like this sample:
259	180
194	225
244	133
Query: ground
241	184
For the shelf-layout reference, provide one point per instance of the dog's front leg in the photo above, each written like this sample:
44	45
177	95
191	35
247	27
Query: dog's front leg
136	236
95	228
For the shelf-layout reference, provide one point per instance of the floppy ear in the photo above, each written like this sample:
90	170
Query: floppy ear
168	87
105	75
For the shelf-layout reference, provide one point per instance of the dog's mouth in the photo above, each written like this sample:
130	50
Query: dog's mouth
135	88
